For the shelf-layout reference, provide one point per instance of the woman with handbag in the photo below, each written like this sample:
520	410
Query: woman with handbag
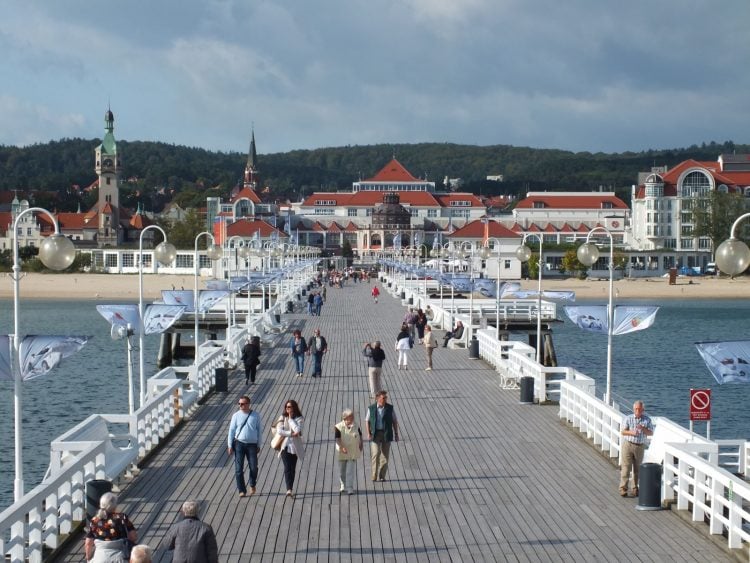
292	449
403	345
110	534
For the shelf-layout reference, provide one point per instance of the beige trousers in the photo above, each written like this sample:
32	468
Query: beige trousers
374	378
632	456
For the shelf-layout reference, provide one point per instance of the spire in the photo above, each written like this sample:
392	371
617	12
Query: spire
252	156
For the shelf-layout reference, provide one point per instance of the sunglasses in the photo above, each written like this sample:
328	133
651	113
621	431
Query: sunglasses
243	404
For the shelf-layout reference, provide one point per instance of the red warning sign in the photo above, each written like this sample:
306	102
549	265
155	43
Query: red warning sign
700	404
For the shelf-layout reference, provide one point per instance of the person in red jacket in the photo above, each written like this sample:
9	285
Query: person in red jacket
375	293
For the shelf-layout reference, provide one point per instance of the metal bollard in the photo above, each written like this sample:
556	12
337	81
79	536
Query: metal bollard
527	390
474	348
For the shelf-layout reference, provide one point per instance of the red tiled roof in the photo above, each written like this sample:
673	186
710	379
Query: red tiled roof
733	180
582	228
368	199
445	199
6	221
351	227
583	200
475	229
516	228
550	228
566	229
334	227
247	228
318	227
139	221
246	193
394	171
534	228
76	221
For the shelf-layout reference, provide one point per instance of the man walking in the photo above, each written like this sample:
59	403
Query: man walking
191	539
317	303
243	441
382	428
635	428
375	293
317	346
410	320
375	356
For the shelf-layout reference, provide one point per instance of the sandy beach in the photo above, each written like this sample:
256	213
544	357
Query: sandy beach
125	287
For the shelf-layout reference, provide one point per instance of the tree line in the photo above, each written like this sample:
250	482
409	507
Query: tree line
156	173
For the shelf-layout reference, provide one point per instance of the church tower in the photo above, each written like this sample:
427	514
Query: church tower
108	166
251	168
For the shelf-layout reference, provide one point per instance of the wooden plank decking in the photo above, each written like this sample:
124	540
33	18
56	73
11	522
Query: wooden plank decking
476	476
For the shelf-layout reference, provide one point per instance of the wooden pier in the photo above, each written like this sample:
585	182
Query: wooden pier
475	477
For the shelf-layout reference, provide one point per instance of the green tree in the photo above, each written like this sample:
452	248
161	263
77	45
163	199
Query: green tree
713	216
182	233
346	249
572	265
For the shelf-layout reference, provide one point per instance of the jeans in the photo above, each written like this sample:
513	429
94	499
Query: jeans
299	361
317	363
244	451
290	468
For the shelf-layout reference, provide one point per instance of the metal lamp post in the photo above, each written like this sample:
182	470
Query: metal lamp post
523	253
214	253
733	255
588	254
245	253
471	286
57	253
164	254
486	254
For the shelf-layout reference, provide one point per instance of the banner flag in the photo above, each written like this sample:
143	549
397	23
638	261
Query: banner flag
487	287
728	362
39	354
417	240
207	299
526	294
178	297
627	319
237	282
486	235
120	315
159	317
509	289
217	284
5	371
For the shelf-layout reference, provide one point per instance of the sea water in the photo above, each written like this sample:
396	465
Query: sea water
658	365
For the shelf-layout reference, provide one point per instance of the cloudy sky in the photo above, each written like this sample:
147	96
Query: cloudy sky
580	75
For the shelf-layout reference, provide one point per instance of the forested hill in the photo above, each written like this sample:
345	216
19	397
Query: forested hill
192	173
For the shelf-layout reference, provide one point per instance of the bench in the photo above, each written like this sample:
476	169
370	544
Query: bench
270	324
120	450
455	343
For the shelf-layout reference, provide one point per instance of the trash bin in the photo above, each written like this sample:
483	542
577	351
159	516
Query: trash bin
527	390
411	301
222	380
290	306
304	291
403	295
672	276
649	487
277	316
94	491
474	348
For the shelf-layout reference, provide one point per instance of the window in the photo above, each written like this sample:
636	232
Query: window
324	211
432	213
686	243
539	205
460	203
704	243
606	205
506	264
184	261
687	230
325	202
204	261
28	231
368	212
414	212
695	184
351	212
128	259
110	260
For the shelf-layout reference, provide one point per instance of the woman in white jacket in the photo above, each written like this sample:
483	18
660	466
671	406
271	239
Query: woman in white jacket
289	425
403	345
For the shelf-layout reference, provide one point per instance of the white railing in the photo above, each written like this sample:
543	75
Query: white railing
599	421
92	451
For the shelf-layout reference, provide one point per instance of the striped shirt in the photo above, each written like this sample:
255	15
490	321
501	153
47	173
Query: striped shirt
631	423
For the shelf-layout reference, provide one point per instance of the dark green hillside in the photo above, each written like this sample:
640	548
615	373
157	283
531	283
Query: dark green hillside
158	172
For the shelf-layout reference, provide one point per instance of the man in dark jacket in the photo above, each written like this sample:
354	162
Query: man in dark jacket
375	356
317	346
192	540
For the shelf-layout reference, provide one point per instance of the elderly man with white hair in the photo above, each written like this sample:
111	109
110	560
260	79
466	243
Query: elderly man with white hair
193	541
141	554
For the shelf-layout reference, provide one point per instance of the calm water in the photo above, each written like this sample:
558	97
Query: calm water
658	365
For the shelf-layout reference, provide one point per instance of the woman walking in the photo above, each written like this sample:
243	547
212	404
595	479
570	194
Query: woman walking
349	447
420	323
289	425
430	343
299	347
403	345
251	358
109	533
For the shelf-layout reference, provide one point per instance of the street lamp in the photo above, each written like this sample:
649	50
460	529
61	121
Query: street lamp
214	253
486	254
471	285
245	253
733	255
164	254
523	253
588	254
57	253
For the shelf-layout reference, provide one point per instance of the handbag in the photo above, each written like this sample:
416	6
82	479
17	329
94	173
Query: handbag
277	439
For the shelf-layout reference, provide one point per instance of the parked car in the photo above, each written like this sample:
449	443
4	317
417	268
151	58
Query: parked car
710	269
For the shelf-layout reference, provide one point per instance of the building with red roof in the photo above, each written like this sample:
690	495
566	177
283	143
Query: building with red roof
664	199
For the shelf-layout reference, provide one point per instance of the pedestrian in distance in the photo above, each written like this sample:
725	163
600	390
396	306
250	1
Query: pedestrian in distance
375	293
635	428
251	358
299	348
310	303
430	343
289	425
317	303
382	429
420	323
316	347
457	333
349	446
403	345
375	357
244	443
110	533
191	539
410	320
